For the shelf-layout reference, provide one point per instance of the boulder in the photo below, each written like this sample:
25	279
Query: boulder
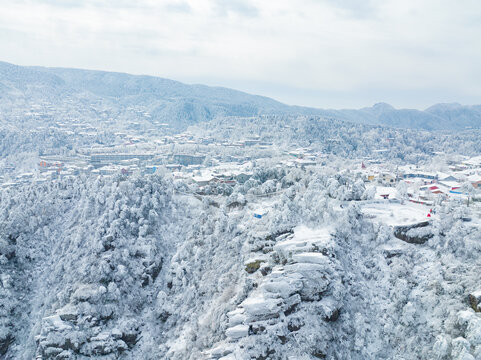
237	332
68	313
283	286
253	266
219	352
260	308
475	300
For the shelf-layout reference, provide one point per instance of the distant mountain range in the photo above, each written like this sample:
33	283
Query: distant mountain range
180	105
437	117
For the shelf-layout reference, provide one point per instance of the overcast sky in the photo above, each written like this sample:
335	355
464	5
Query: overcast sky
322	53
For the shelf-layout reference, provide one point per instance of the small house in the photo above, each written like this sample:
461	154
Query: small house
204	180
387	178
242	177
475	180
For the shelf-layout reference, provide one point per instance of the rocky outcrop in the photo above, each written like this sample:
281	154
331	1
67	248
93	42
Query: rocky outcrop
301	280
414	234
5	341
475	300
253	266
83	328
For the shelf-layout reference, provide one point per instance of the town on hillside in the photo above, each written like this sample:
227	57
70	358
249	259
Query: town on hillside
395	194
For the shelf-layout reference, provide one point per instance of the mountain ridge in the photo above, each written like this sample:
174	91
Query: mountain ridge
181	104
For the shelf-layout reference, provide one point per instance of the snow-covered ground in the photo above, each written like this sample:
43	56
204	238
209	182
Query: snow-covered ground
395	214
144	268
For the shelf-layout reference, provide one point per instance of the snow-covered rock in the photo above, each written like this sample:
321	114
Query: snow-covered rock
237	332
475	300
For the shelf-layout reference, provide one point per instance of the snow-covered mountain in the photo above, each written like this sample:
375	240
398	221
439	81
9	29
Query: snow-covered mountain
161	100
462	116
273	233
436	117
135	268
180	105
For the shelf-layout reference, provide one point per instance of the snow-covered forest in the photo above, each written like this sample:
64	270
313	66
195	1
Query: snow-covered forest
138	268
342	138
142	218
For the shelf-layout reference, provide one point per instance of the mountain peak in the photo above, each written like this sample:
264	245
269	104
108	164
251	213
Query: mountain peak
382	106
444	107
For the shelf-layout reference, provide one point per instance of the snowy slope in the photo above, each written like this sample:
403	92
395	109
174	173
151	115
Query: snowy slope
136	268
180	105
433	118
166	101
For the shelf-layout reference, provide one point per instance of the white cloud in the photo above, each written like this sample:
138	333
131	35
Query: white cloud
317	52
241	7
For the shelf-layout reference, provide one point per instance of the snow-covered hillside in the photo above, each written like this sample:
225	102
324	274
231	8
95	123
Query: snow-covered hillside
143	268
143	218
345	139
153	101
126	98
